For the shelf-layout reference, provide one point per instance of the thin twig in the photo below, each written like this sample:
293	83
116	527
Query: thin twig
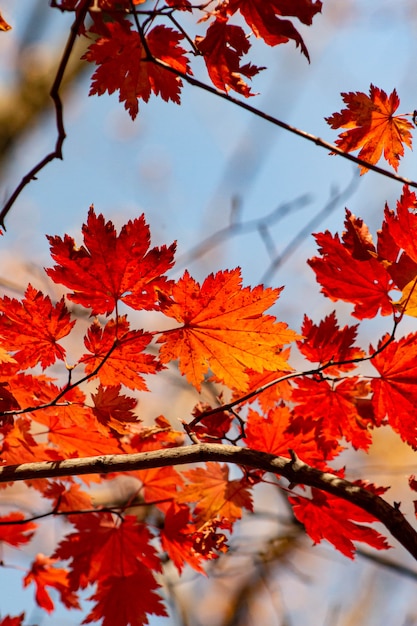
55	95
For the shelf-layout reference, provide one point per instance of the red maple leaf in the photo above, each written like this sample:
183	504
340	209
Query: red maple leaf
102	548
327	517
336	410
223	47
402	225
126	600
110	267
125	66
350	269
31	328
112	409
117	354
395	393
327	343
373	127
43	573
13	531
215	495
271	434
13	621
265	18
177	538
224	328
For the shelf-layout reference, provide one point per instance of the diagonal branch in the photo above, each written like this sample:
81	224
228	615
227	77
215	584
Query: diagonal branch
294	470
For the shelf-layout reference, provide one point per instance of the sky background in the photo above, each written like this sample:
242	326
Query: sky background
186	166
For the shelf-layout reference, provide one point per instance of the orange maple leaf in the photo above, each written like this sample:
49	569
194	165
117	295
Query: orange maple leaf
118	353
222	47
44	574
31	328
224	328
215	494
327	517
373	127
124	65
68	497
110	266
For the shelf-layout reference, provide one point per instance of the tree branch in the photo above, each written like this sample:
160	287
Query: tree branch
55	95
294	470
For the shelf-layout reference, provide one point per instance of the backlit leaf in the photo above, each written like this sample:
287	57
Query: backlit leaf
372	126
224	329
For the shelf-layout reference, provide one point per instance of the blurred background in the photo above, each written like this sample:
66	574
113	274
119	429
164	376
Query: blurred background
233	190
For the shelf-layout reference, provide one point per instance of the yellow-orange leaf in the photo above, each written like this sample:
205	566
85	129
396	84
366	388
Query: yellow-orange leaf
224	329
373	127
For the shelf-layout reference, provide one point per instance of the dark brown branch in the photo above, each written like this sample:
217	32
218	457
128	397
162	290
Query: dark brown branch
55	95
276	122
294	470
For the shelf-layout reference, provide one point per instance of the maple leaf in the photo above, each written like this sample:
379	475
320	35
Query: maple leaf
373	127
271	434
112	409
222	47
208	541
4	26
125	66
327	517
264	18
223	328
349	270
71	440
126	600
327	343
212	428
271	395
336	410
68	497
110	267
31	328
215	494
13	621
13	531
117	354
177	538
394	392
101	548
402	225
44	574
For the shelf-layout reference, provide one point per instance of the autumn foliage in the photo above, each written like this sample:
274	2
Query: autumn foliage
217	330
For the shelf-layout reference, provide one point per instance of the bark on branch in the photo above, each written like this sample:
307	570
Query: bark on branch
294	470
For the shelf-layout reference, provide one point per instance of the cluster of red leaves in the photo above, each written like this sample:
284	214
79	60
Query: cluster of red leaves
142	56
220	330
